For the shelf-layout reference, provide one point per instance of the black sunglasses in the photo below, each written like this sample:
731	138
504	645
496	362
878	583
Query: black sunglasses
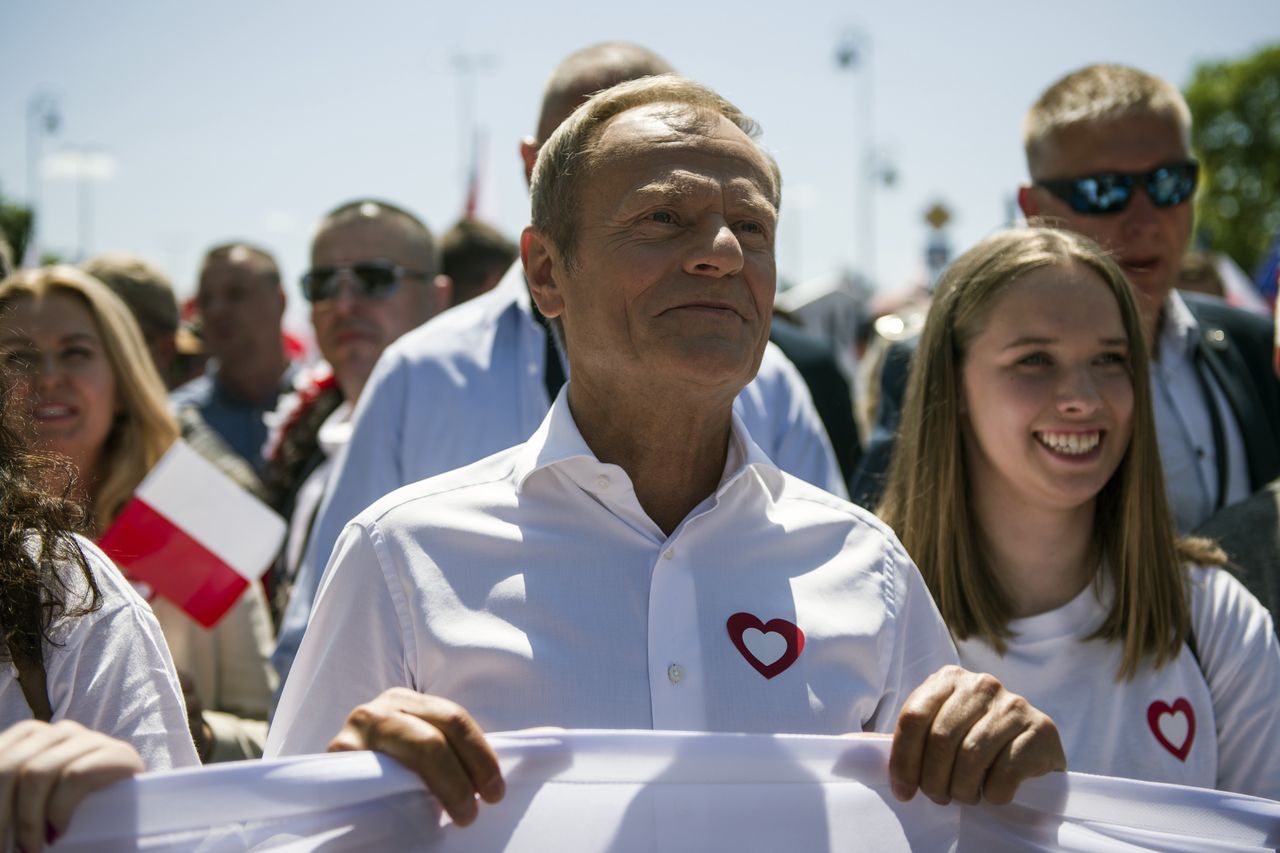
369	280
1110	192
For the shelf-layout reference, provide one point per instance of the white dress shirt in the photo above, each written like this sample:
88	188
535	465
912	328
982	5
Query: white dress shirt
469	383
1184	426
532	589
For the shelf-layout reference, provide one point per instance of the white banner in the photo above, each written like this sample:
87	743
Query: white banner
650	791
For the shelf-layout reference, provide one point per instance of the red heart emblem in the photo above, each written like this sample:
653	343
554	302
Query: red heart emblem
770	646
1162	717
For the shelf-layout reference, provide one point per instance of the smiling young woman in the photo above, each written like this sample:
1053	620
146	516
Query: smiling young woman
1027	486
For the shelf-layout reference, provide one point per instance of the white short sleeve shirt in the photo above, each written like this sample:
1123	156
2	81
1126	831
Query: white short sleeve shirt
532	589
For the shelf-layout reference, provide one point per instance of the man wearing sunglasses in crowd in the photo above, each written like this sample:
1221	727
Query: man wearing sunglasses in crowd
1108	151
373	277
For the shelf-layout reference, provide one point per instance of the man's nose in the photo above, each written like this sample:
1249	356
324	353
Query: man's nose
718	251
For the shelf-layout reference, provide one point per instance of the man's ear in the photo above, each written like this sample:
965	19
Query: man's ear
1027	201
441	294
529	154
541	269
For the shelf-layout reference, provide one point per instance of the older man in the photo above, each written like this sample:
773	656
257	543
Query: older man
1108	150
480	378
640	562
241	307
373	277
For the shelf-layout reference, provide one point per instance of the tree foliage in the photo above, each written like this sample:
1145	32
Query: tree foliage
1235	108
15	223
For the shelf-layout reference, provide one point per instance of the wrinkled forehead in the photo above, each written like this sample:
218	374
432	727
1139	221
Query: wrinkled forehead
658	137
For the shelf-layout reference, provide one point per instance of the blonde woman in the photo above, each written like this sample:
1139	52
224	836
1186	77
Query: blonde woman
83	375
1027	486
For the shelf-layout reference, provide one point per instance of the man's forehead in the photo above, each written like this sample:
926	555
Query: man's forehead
668	130
1127	143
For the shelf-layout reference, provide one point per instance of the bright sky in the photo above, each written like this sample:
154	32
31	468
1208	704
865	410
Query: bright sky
250	119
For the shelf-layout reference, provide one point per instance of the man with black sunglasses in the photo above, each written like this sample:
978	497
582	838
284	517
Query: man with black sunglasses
373	277
1108	150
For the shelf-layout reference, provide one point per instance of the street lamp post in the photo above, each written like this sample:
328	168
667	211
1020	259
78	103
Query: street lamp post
43	119
854	53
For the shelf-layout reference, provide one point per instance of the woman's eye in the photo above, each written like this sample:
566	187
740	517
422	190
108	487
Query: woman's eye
77	354
1035	359
1113	358
19	359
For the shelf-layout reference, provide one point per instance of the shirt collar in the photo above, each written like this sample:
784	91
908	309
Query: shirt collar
1178	328
558	443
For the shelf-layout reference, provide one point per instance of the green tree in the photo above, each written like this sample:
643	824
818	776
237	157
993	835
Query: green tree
1235	108
15	222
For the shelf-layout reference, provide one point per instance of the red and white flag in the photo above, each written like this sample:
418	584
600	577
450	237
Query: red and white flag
194	536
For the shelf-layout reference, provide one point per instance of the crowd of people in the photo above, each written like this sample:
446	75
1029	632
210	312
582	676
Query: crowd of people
574	482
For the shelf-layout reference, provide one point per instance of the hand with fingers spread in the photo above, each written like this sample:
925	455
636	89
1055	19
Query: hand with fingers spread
47	769
962	736
435	738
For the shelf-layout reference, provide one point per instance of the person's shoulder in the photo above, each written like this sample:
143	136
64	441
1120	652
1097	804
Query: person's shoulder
458	331
115	593
195	392
1233	321
475	485
821	507
1219	598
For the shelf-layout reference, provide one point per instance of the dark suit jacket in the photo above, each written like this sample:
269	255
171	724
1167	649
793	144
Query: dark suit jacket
1250	534
1235	346
828	386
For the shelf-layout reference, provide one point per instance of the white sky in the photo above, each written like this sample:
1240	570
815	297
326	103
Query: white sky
250	119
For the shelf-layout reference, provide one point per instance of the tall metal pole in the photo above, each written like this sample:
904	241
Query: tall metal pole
466	66
854	53
42	119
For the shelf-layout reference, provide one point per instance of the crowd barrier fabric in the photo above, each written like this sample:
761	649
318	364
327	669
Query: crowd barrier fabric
652	791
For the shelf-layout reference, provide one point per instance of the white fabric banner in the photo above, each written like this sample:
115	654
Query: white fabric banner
648	791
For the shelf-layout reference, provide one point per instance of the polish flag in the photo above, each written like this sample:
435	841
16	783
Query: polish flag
194	535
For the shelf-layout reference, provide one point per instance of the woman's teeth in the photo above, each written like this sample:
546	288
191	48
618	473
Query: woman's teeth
1070	443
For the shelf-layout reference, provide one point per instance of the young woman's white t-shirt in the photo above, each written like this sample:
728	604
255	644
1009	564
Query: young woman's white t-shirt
1215	724
110	671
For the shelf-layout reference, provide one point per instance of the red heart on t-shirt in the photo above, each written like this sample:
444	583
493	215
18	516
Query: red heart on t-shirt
770	646
1159	712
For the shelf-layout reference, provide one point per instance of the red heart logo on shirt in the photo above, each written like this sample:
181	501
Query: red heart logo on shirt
1168	722
770	646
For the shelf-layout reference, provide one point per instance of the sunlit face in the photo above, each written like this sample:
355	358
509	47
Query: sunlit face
673	280
241	306
53	351
1148	241
352	330
1047	399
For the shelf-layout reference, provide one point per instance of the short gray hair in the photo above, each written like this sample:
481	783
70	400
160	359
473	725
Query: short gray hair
570	154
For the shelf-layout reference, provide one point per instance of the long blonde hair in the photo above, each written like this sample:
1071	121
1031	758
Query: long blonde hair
144	429
927	499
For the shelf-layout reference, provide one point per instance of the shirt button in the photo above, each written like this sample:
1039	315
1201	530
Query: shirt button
533	369
675	672
669	553
602	482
